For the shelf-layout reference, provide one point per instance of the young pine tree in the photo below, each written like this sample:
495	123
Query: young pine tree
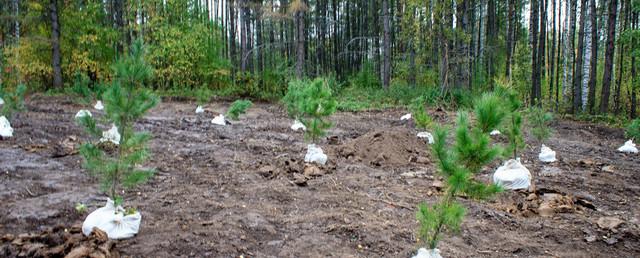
420	116
203	95
458	163
311	102
13	101
237	108
511	106
633	130
539	123
125	101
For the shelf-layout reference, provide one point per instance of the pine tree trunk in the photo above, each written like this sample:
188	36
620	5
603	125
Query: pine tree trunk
634	76
586	65
593	67
244	46
55	44
386	45
577	76
511	19
535	73
552	54
541	49
300	39
608	63
568	51
232	38
623	28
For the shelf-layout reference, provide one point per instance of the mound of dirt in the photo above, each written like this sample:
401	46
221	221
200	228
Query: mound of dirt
59	242
386	147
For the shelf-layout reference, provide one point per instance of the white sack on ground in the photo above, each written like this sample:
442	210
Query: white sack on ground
199	110
426	135
512	175
495	132
83	113
99	105
406	117
219	120
111	135
112	221
430	253
5	127
315	154
546	154
628	147
298	125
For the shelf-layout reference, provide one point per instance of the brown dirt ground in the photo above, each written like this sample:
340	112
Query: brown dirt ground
229	191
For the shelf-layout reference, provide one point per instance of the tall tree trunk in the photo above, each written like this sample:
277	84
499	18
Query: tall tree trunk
608	63
552	47
634	76
568	51
55	44
259	41
593	66
577	76
232	38
244	40
386	45
511	20
118	6
559	53
300	39
624	17
535	65
541	48
491	38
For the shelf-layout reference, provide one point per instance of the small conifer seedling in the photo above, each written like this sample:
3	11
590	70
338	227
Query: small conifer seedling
13	100
203	95
292	100
126	100
420	115
238	108
539	123
84	93
458	163
514	124
633	130
316	102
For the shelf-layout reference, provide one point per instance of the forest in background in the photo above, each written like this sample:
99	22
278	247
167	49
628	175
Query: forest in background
569	56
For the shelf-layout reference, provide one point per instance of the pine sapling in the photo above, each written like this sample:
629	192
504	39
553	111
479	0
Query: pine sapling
125	101
237	108
13	100
539	121
315	103
84	93
458	163
203	95
514	124
420	116
293	99
632	131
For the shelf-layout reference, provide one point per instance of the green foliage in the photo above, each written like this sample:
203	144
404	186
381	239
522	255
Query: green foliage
489	112
84	93
13	100
539	123
311	102
367	77
126	101
237	108
513	129
420	115
458	163
633	130
203	95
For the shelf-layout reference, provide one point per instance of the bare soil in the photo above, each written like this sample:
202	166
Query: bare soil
236	190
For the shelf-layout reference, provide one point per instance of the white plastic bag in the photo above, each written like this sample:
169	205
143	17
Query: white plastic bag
546	154
430	253
199	110
5	127
628	147
315	154
512	175
83	113
298	125
112	221
111	135
406	117
426	135
219	120
495	132
99	105
1	101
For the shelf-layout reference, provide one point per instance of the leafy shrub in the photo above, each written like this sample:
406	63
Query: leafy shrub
238	108
125	101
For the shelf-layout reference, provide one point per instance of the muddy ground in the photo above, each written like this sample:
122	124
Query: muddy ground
235	191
